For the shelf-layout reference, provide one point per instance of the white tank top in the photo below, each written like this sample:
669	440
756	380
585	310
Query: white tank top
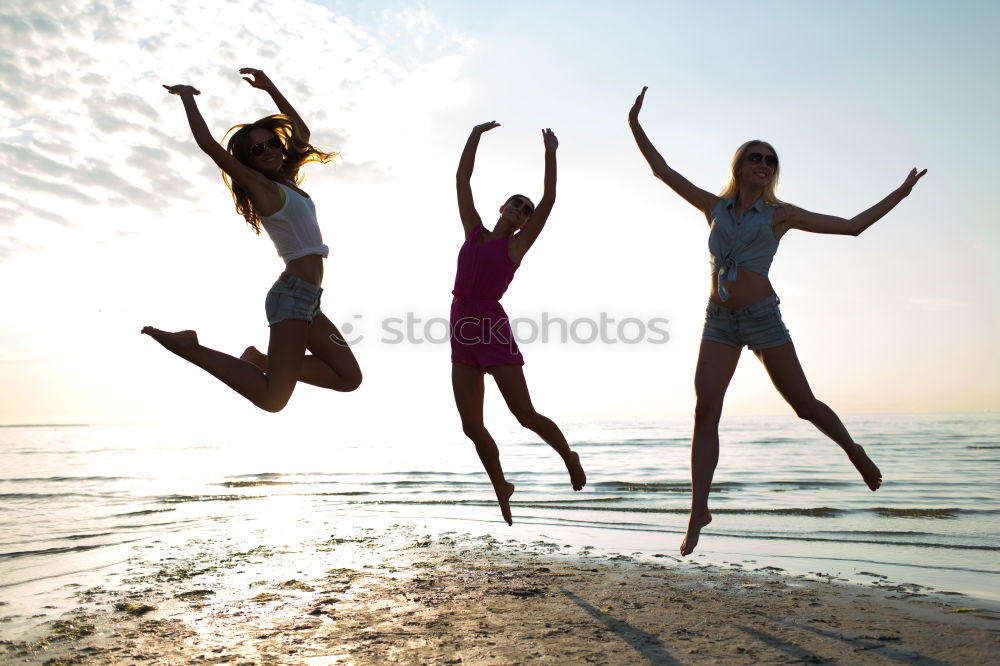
294	229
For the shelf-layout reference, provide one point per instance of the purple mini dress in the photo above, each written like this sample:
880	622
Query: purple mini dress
480	331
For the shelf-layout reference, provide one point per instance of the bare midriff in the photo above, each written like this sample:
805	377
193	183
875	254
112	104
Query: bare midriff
308	268
746	289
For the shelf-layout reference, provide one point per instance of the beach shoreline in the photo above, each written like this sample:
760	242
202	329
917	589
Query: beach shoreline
394	595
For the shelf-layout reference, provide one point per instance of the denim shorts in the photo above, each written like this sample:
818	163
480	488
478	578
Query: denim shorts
758	326
292	298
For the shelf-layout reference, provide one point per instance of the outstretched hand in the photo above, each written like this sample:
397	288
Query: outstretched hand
910	181
633	113
485	127
549	139
182	89
259	79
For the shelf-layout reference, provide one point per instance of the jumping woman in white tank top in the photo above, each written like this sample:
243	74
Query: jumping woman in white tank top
261	166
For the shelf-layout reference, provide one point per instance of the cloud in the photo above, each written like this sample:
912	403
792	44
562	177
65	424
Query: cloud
85	123
12	208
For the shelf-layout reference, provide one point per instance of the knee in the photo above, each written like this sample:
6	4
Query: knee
352	382
707	412
528	418
807	410
273	404
474	431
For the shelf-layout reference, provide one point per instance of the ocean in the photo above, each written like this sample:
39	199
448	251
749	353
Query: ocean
80	504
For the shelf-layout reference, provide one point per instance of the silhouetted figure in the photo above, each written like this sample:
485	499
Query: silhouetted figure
261	166
746	221
481	336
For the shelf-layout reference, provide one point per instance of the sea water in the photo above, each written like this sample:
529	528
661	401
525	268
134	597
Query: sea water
76	502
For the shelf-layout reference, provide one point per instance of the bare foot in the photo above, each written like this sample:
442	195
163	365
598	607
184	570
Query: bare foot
180	343
869	470
503	498
577	476
695	523
253	356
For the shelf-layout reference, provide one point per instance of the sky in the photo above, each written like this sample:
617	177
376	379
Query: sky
111	218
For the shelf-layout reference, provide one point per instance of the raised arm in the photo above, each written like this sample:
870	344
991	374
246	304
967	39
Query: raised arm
526	237
697	197
793	217
262	82
256	183
463	178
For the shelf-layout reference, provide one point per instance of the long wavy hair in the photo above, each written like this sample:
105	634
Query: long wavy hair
296	153
732	188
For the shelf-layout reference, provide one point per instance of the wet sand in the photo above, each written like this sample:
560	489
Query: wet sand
393	596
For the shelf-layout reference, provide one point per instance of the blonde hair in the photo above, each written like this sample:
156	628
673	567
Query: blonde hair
732	188
296	153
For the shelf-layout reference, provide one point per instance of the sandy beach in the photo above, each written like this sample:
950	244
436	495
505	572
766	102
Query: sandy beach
395	596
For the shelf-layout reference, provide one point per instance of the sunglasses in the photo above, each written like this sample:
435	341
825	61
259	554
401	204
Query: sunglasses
258	149
525	205
757	158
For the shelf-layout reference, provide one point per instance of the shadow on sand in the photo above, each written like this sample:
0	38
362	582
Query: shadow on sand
647	645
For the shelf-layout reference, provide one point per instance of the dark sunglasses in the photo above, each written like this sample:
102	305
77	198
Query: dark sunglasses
757	158
525	205
258	149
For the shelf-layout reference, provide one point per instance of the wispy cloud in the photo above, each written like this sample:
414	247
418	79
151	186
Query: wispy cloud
85	125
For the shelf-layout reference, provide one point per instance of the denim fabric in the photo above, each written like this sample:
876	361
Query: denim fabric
292	299
757	326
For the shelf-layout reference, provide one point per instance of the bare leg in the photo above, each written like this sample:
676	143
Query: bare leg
467	383
510	380
331	365
716	365
269	391
782	364
255	356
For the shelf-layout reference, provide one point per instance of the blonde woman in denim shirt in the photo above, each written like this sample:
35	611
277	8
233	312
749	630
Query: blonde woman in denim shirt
746	221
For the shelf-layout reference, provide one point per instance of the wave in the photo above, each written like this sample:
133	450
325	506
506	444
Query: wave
141	513
278	475
254	484
891	512
638	442
60	479
810	483
16	496
47	425
867	540
604	504
180	499
877	532
662	486
575	505
49	551
920	544
818	512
